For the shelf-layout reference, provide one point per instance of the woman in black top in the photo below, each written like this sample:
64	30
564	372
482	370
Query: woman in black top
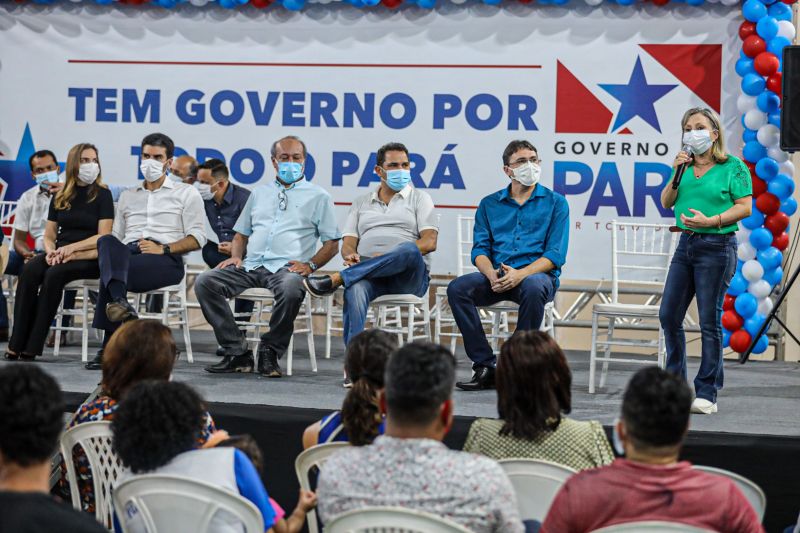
79	214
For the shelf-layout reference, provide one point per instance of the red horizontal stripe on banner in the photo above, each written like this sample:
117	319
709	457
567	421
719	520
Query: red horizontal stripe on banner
323	65
437	206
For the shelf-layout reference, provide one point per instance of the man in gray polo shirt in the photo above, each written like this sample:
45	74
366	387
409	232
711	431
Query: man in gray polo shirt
386	241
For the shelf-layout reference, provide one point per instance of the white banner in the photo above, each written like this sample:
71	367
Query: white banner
600	92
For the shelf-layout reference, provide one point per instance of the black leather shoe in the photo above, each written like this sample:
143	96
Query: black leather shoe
120	310
482	380
233	363
220	352
319	285
97	362
268	362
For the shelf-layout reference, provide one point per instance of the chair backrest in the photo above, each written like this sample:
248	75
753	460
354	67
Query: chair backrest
652	526
640	254
308	459
751	491
7	210
536	484
94	438
391	519
464	236
180	504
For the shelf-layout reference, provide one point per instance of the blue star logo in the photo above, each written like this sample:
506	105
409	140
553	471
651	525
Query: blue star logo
16	173
637	98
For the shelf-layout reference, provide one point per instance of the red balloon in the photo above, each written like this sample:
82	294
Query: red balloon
525	1
731	320
781	242
260	4
391	4
727	305
759	186
774	83
661	2
751	166
777	223
766	64
790	2
740	340
768	203
753	46
747	29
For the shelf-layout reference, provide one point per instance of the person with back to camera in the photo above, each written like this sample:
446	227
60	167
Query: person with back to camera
715	193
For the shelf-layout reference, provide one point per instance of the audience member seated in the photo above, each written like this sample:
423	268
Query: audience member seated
152	440
139	350
305	502
31	407
650	483
409	466
533	383
360	419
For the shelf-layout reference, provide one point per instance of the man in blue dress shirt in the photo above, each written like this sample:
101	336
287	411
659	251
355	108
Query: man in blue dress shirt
274	247
519	246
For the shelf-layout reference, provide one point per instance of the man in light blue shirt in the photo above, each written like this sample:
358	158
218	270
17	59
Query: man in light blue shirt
520	244
274	248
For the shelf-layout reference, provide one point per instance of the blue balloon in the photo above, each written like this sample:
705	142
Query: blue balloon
761	345
726	338
739	265
789	206
774	119
774	276
768	102
753	324
780	11
749	135
754	151
777	44
744	66
783	187
755	220
753	10
767	168
770	258
746	305
753	84
761	238
767	27
294	5
738	285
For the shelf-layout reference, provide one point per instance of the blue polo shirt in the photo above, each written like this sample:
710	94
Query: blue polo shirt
222	217
517	235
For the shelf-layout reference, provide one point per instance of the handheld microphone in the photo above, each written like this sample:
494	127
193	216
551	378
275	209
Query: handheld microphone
676	181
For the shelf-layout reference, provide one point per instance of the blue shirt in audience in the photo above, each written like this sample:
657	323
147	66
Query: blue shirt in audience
222	217
283	224
331	429
517	235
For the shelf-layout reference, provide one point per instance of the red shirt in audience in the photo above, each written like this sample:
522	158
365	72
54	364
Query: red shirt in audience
626	491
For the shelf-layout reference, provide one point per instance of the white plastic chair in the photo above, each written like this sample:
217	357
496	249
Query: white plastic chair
95	440
264	300
391	519
178	504
84	310
536	484
7	210
334	318
308	459
640	254
754	494
389	312
652	526
174	310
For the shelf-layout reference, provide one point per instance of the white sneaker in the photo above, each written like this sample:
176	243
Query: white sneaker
703	407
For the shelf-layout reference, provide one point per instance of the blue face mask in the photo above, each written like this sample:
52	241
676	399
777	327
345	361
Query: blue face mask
43	179
289	171
398	179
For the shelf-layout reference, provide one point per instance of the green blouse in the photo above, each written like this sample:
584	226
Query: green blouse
578	445
713	193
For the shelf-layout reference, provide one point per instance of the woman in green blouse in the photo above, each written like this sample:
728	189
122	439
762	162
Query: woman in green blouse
713	195
533	383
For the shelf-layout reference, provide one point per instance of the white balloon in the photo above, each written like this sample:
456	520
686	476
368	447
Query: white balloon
754	119
746	251
787	167
752	270
198	3
743	234
786	29
594	2
777	154
765	306
730	2
760	289
745	103
767	134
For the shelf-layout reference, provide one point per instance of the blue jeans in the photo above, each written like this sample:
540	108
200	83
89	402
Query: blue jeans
702	266
470	291
402	270
14	267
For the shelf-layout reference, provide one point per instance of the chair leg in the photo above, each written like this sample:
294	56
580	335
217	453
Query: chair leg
437	321
662	351
411	322
312	352
59	321
289	353
607	353
187	340
85	326
328	325
426	316
593	353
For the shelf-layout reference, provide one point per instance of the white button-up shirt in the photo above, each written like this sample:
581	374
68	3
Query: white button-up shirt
166	215
31	214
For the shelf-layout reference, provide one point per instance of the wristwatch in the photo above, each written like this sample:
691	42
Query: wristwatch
166	249
313	266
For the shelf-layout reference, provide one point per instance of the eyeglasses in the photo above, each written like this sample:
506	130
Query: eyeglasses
282	200
522	161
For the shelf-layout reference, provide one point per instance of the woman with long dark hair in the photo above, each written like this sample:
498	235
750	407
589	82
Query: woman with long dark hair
79	214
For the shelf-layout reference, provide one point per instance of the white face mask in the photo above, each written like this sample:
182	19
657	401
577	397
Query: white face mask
527	173
699	141
88	172
151	169
204	189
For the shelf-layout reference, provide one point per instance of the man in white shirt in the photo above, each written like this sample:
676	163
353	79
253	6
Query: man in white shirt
155	225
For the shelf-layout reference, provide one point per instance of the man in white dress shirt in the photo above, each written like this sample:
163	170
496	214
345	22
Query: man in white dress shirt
155	225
